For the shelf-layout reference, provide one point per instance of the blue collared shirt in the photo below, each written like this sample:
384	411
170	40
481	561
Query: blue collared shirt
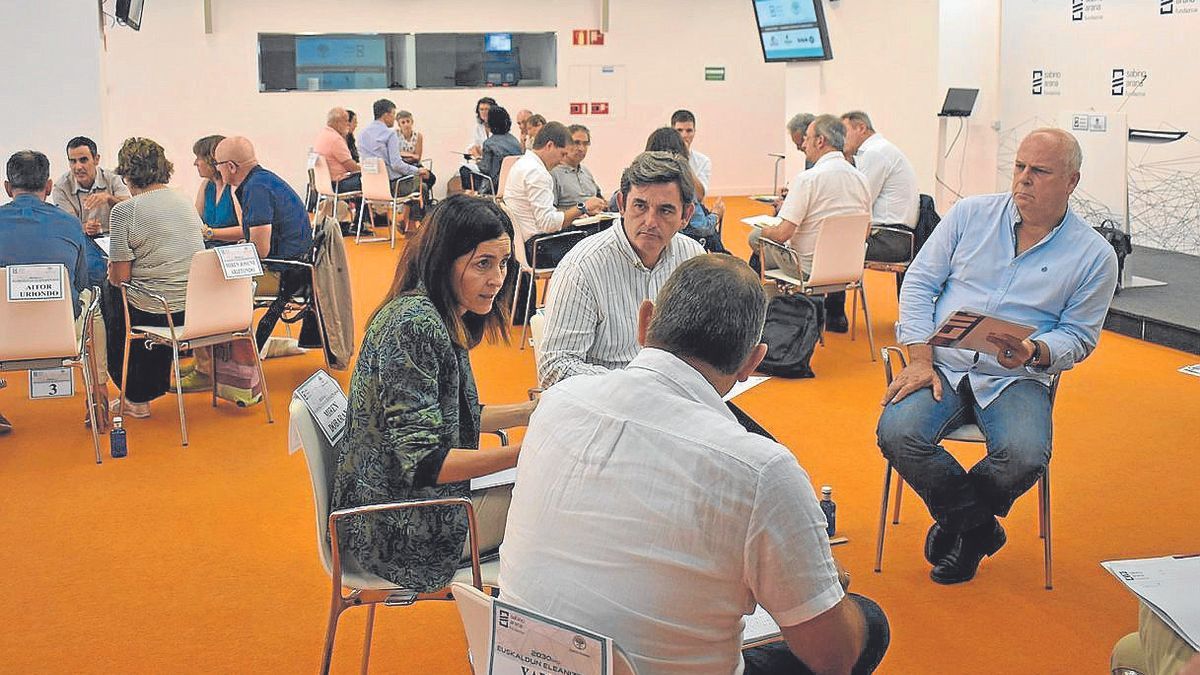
379	140
33	232
1062	286
267	199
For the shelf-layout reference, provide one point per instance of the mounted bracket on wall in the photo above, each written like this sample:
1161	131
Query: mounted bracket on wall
208	17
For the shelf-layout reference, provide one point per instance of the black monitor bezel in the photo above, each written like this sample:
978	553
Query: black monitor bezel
822	27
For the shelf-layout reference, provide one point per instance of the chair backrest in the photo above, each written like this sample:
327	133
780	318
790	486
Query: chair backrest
322	462
37	330
506	165
213	303
322	180
475	609
537	328
375	183
518	238
840	251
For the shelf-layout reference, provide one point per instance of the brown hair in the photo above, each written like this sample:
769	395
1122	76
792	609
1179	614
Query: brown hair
143	162
206	149
454	228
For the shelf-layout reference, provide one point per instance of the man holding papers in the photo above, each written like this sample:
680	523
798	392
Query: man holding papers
1024	257
645	512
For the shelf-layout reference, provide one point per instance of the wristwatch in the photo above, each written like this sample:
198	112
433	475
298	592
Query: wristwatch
208	233
581	207
1035	356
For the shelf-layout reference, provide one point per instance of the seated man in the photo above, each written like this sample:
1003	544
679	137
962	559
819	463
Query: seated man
88	191
684	122
330	143
623	522
892	182
529	196
832	187
33	232
274	219
522	120
378	139
573	183
594	295
1024	256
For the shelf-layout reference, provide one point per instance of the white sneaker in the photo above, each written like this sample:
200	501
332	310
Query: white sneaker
135	410
278	346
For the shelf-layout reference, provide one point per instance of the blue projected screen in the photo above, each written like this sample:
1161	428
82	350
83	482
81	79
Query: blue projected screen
497	42
792	30
317	51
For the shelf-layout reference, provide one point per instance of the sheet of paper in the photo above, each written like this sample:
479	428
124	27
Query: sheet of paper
35	283
1170	586
762	221
766	199
598	218
104	243
740	388
327	403
52	383
525	642
759	626
1193	369
505	477
239	261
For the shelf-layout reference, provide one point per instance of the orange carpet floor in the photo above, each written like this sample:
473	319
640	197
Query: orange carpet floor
203	559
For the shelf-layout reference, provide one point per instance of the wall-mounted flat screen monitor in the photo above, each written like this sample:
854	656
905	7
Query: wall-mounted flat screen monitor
792	30
129	12
497	42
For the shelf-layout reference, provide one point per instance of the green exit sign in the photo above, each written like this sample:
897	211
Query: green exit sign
714	73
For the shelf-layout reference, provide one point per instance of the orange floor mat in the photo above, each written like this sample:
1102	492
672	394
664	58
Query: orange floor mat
202	559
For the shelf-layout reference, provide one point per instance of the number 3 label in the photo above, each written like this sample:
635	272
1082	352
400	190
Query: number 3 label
51	383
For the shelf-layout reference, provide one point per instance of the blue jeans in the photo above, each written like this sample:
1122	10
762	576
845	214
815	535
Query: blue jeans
1016	425
776	659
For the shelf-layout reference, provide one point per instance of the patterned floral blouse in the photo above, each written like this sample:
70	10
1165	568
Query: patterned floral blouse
412	399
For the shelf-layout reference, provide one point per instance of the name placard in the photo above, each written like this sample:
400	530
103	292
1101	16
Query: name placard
370	166
525	642
312	160
239	261
35	283
325	400
51	383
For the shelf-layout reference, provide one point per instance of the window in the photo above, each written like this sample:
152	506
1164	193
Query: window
339	61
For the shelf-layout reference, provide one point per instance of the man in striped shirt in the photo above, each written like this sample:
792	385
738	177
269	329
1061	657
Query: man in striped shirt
597	288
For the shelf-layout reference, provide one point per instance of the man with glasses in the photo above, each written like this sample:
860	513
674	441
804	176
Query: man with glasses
573	183
88	191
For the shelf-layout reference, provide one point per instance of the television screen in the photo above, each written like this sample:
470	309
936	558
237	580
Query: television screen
129	12
497	42
792	30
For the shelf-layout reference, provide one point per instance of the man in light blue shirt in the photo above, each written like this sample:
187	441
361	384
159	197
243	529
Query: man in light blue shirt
1022	256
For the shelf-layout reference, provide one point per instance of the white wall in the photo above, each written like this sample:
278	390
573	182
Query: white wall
51	86
885	63
173	83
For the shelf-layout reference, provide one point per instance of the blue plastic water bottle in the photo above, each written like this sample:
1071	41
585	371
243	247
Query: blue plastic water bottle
830	509
116	440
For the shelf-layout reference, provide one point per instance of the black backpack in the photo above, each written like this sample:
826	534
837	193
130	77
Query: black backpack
1120	242
793	327
927	220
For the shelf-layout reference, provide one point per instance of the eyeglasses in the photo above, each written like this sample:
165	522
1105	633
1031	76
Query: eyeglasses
232	164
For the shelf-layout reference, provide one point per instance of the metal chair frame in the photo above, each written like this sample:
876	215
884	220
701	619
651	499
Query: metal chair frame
320	169
535	273
967	433
393	203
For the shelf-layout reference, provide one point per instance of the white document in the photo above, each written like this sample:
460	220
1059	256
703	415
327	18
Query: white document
35	283
51	383
598	218
525	642
327	403
740	388
1193	369
370	165
239	261
766	199
1170	586
312	160
505	477
759	626
105	243
762	221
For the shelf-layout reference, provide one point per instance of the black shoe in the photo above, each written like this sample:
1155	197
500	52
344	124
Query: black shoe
938	543
5	426
961	563
837	324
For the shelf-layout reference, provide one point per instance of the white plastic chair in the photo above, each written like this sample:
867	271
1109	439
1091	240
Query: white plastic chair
41	334
366	588
326	189
837	265
475	609
377	189
966	433
219	310
506	166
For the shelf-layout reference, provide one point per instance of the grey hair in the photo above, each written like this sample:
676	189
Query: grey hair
712	308
571	130
800	122
336	114
657	167
1074	153
28	170
830	128
859	117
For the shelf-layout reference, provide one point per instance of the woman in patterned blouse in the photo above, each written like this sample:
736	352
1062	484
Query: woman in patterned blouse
415	417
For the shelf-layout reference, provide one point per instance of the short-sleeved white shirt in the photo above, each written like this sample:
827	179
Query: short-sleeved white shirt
831	187
529	196
701	165
644	511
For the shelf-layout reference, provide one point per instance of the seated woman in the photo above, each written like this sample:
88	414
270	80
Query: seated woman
499	144
415	417
154	236
703	225
351	145
214	199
